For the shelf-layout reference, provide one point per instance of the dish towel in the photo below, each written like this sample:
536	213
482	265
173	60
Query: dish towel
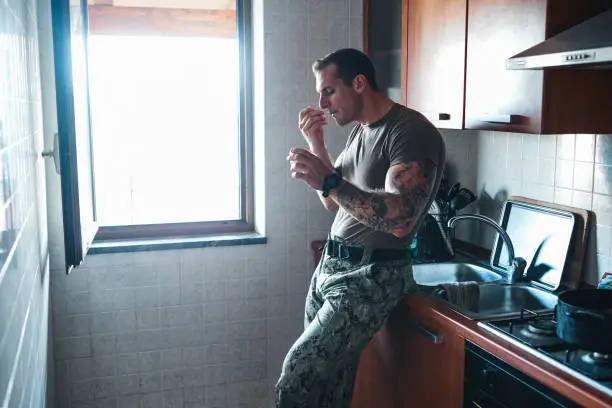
464	295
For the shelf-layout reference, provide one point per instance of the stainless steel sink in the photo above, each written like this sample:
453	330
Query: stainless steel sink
433	274
503	300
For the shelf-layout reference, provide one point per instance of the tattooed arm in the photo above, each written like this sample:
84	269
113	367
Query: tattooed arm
408	187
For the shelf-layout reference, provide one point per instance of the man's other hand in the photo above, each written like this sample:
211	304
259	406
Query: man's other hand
307	167
311	122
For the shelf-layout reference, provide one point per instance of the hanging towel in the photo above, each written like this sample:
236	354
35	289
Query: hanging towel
464	295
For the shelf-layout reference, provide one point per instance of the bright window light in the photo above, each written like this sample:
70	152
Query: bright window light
165	126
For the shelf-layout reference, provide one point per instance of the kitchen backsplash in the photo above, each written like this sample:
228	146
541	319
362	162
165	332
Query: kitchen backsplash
574	170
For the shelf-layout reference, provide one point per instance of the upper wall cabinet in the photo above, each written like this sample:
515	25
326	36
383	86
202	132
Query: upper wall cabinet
436	60
530	101
455	67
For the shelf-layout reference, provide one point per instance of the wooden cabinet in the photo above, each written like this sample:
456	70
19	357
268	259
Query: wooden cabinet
416	360
376	384
432	360
530	101
436	33
455	72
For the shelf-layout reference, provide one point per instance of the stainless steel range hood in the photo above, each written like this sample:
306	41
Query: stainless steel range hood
586	45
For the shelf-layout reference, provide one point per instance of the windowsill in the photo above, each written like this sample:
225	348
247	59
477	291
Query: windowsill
109	247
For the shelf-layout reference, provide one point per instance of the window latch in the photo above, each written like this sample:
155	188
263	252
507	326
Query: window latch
54	153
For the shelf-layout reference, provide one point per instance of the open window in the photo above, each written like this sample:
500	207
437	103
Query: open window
154	121
73	116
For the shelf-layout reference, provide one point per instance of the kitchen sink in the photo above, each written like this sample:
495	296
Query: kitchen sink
504	300
433	274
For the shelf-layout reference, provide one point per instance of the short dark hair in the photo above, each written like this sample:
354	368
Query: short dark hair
349	63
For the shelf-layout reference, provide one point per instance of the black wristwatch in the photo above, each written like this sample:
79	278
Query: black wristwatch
330	182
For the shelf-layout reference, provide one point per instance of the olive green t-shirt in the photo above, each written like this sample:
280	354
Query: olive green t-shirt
403	135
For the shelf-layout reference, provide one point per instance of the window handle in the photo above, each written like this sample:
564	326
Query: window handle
54	153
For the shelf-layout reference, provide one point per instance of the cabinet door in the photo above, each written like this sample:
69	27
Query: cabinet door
496	98
376	384
432	363
436	60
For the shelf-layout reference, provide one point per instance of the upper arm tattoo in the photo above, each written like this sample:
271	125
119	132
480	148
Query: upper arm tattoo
408	189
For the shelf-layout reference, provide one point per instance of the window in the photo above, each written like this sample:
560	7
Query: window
154	119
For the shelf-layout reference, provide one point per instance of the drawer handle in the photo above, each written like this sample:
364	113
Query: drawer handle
501	118
437	116
432	337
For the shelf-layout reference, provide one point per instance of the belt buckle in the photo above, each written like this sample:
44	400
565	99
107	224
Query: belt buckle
344	252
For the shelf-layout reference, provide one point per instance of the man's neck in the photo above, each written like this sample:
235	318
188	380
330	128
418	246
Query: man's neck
375	107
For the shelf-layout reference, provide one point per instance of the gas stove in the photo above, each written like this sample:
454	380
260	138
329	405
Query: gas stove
539	331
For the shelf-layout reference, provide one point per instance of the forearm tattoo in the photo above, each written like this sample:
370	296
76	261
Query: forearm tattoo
395	211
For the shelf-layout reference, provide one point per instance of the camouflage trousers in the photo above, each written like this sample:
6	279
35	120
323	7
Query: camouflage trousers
347	303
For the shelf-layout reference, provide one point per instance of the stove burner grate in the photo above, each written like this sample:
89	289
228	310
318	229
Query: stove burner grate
543	327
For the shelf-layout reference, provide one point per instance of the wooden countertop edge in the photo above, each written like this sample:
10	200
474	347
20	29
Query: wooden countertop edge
553	375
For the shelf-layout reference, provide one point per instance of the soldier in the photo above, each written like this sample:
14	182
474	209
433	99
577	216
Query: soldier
381	186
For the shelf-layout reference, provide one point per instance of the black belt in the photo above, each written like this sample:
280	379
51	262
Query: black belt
339	250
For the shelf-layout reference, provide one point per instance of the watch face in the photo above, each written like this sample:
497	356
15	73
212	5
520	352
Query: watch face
329	182
332	180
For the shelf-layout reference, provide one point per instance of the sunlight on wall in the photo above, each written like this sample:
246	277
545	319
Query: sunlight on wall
165	116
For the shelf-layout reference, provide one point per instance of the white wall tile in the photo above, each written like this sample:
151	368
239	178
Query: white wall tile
530	145
546	171
583	176
563	196
566	146
585	148
547	146
564	174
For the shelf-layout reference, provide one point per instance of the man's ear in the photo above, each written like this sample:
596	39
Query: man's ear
359	83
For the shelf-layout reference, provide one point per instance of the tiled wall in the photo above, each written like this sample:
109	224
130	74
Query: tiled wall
206	327
24	283
574	170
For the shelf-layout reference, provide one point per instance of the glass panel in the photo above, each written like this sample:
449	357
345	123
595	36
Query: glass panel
78	40
70	52
165	115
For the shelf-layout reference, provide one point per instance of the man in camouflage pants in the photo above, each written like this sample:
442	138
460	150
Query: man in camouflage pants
381	186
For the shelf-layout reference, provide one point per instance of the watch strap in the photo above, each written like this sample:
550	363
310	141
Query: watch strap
330	182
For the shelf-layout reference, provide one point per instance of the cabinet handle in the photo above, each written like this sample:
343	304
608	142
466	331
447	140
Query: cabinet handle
501	118
432	337
436	116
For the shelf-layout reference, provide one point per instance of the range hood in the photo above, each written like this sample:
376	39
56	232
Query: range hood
586	45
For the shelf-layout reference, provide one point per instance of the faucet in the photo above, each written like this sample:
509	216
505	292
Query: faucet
516	267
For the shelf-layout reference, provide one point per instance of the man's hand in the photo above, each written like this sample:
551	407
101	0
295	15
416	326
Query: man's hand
307	167
311	123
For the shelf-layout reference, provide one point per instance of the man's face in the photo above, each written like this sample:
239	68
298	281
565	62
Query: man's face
340	100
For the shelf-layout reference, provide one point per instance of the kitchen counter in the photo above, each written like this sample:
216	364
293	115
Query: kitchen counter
532	363
417	359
